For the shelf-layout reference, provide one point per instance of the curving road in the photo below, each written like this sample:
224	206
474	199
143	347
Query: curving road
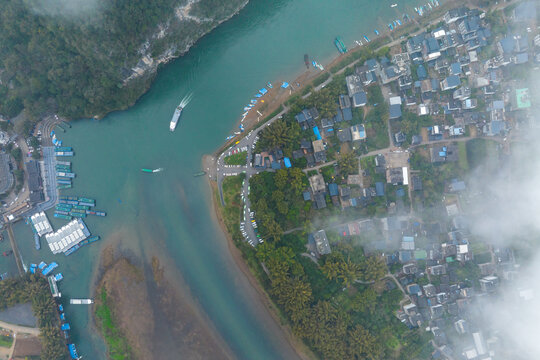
247	143
19	328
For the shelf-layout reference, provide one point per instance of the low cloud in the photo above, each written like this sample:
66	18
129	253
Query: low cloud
70	9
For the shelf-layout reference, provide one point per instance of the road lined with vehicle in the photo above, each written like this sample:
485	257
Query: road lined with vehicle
247	143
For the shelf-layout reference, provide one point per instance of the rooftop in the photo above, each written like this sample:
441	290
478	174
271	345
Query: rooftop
67	236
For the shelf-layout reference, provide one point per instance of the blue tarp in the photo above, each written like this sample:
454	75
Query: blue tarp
49	268
285	85
317	133
73	351
287	162
379	188
263	91
65	326
333	189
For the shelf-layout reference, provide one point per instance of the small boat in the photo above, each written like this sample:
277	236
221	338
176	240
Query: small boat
395	25
376	32
152	170
200	173
393	5
306	60
359	43
399	22
390	27
269	84
367	39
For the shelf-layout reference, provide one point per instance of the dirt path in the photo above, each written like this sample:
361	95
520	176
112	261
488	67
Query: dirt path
19	329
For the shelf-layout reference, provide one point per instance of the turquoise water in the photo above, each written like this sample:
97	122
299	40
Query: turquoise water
169	214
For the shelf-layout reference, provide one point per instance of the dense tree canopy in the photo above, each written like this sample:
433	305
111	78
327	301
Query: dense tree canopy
76	63
35	289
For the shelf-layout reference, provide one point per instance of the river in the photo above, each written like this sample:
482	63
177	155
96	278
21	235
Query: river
170	212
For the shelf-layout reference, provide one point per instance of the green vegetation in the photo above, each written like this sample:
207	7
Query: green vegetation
411	124
361	54
357	322
276	199
117	344
35	289
320	79
377	120
479	151
232	214
6	341
76	64
281	134
348	164
272	114
17	154
434	176
463	160
236	159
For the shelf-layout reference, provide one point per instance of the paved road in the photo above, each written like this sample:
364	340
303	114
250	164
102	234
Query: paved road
247	144
48	174
19	329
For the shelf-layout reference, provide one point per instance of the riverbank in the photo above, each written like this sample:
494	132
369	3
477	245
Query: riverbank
299	347
313	78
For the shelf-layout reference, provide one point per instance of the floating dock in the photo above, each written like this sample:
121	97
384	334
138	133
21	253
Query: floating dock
41	223
54	287
67	236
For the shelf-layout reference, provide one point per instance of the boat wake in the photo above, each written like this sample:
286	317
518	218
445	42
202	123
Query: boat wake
186	100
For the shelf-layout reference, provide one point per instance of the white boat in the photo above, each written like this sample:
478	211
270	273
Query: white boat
81	301
393	5
176	116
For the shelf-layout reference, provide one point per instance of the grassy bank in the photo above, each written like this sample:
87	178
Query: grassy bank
117	344
35	289
236	159
6	341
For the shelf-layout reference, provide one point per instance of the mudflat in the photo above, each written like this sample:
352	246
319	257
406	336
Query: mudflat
157	321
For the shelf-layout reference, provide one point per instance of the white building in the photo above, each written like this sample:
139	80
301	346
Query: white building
41	223
67	236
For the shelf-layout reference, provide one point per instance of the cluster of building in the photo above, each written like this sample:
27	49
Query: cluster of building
441	73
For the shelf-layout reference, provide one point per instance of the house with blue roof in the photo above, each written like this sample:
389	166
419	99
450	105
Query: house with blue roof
379	188
333	189
451	82
431	50
421	72
358	132
455	68
359	99
395	107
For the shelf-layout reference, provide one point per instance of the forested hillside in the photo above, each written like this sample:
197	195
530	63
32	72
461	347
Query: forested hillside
77	63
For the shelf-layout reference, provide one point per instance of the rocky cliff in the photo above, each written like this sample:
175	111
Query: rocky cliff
87	58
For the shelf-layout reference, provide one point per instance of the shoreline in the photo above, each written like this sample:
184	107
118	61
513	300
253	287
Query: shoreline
277	96
299	347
